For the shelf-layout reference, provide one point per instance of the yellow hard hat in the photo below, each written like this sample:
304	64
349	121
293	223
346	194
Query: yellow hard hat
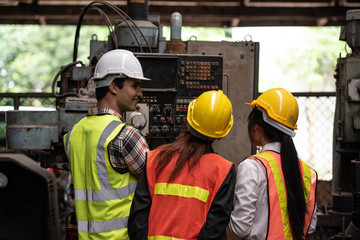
280	105
211	114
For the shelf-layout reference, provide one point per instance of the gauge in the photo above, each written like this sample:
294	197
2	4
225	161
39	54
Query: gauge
138	120
3	180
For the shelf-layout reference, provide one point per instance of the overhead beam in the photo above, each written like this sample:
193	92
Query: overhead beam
206	15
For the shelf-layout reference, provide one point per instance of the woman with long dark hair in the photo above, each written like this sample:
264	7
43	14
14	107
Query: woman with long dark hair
187	190
275	190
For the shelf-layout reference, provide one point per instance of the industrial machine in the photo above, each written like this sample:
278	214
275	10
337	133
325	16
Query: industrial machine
346	142
180	71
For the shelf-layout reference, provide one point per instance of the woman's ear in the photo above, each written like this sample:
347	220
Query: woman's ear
256	128
257	134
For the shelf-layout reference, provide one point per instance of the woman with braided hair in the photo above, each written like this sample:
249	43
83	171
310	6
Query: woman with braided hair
275	190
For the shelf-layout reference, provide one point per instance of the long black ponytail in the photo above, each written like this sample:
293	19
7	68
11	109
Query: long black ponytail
290	165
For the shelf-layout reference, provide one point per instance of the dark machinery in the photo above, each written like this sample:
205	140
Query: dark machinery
346	145
28	200
177	79
180	71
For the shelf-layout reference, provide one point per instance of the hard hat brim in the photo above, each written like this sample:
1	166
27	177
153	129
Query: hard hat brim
122	75
143	78
253	103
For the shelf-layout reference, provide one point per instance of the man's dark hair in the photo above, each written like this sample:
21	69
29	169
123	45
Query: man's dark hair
102	91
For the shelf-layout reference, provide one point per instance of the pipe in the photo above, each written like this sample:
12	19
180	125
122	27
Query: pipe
176	25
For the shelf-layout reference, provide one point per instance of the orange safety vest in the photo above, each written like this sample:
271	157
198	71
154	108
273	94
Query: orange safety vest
179	209
277	199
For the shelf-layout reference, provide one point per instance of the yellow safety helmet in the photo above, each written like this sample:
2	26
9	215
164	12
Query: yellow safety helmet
210	114
280	106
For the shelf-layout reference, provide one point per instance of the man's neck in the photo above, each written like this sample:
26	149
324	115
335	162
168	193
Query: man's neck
103	103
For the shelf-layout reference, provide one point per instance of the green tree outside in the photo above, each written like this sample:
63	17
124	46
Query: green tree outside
32	55
299	59
313	63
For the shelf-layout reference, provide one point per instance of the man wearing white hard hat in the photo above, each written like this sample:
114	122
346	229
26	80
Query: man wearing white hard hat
106	155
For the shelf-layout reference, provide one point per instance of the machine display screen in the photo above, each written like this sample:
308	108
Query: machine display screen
161	71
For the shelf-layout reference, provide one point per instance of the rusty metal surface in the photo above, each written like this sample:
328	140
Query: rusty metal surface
175	46
31	129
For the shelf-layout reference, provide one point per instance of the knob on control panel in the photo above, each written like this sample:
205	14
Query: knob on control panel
138	120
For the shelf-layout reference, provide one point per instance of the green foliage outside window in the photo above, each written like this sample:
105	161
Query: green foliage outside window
32	55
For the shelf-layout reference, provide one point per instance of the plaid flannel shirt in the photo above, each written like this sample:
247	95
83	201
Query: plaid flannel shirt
128	150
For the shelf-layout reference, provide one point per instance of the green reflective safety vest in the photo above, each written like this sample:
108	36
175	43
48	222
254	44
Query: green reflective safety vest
103	196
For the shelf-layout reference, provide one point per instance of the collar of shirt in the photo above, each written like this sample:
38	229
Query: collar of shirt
102	111
274	146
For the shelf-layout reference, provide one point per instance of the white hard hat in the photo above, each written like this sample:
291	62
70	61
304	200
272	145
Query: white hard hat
117	63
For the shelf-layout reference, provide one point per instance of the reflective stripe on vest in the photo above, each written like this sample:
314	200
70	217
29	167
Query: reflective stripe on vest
310	186
164	238
103	202
181	191
278	196
179	209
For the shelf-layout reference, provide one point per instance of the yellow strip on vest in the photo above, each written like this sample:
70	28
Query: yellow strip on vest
306	181
280	186
181	191
164	238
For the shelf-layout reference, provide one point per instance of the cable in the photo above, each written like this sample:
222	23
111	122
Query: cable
118	11
108	24
122	12
227	84
56	77
77	33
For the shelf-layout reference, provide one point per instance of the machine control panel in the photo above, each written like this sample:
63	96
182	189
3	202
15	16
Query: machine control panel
198	75
175	81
